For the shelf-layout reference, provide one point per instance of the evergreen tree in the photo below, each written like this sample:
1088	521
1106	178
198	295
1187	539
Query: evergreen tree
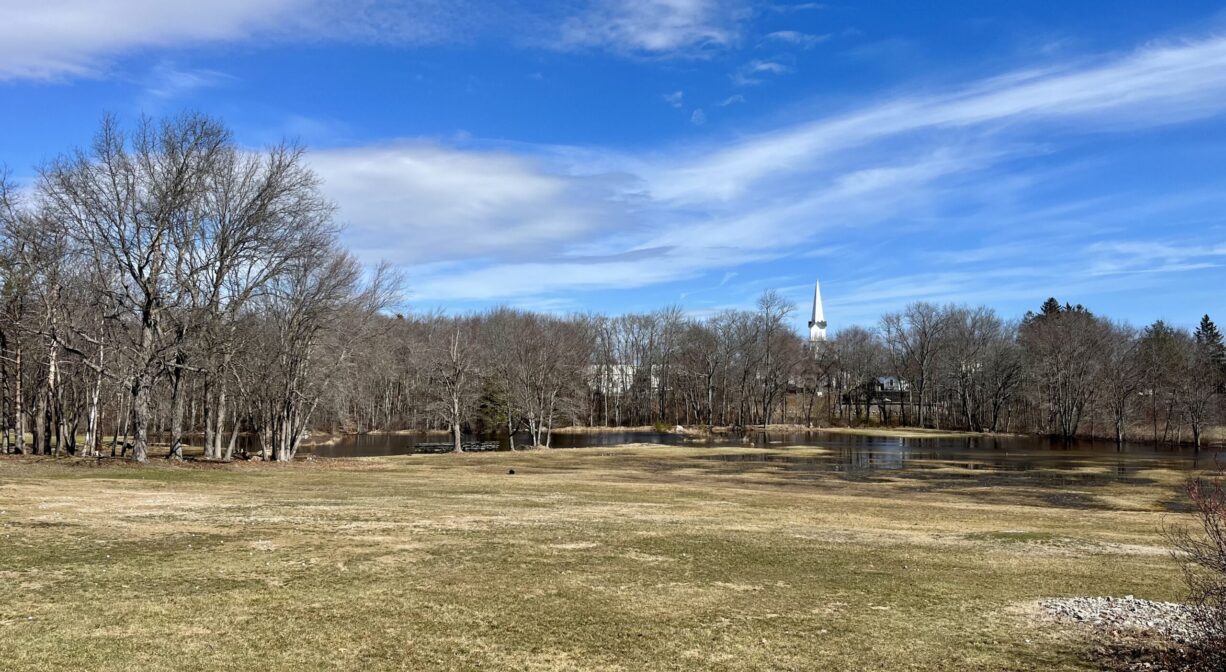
1210	338
1050	308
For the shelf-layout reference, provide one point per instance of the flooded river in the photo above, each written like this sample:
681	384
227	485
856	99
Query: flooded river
849	453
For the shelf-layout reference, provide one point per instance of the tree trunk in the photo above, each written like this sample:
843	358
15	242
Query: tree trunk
54	423
39	435
548	422
176	408
220	412
140	416
19	409
233	440
211	426
93	439
5	425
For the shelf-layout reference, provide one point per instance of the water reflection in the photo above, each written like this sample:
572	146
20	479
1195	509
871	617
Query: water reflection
850	453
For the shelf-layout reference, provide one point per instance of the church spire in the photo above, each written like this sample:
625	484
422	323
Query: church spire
817	323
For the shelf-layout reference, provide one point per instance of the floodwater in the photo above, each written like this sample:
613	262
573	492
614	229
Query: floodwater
850	453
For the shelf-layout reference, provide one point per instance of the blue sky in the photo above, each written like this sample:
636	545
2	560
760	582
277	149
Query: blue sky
620	156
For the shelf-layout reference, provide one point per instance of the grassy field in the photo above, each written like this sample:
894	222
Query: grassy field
619	559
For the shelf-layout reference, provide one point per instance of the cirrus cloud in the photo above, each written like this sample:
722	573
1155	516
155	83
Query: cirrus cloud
56	38
532	223
655	26
419	202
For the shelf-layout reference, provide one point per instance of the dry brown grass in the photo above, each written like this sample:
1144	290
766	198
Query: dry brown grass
631	558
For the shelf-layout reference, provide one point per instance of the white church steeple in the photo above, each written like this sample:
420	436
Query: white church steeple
817	324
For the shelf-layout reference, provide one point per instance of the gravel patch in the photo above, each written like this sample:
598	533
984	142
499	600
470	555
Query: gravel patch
1169	620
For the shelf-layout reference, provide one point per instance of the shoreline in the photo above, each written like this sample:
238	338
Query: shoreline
702	430
1214	438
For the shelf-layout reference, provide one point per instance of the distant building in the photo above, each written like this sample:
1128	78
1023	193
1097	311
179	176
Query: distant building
883	390
619	378
817	322
892	384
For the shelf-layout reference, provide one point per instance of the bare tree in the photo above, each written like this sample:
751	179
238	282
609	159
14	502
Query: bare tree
779	346
263	212
1202	554
126	202
548	356
454	375
915	337
1200	385
1123	375
859	359
701	357
980	364
1162	351
1064	348
318	310
15	291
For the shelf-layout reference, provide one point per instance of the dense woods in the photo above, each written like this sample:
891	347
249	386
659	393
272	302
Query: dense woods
164	285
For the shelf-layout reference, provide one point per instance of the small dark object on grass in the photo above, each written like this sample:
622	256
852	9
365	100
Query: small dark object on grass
510	472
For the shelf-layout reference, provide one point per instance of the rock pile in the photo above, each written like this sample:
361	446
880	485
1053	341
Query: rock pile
1128	614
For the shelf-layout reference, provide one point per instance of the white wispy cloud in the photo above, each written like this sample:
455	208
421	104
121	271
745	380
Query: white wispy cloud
1072	274
416	202
1156	85
167	81
685	27
56	38
787	8
413	22
531	222
754	71
863	299
675	99
1149	256
795	38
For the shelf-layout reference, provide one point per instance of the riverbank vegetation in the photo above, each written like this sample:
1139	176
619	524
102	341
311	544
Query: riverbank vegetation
163	282
623	558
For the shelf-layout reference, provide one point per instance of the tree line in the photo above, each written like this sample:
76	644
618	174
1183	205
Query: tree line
165	286
1060	371
165	279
